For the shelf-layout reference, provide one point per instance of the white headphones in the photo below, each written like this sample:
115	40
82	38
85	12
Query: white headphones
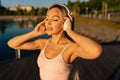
65	23
66	9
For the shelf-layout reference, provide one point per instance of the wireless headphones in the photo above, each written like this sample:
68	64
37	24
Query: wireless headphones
66	9
65	23
68	12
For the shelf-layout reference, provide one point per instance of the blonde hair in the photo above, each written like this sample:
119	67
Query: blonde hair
64	11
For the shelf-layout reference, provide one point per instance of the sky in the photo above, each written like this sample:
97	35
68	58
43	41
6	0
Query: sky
37	3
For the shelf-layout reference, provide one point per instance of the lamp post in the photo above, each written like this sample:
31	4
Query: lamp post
86	11
104	8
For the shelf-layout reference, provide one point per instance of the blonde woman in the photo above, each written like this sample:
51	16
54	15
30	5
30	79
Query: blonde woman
59	51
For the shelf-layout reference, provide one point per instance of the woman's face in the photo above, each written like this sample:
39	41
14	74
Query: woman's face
54	22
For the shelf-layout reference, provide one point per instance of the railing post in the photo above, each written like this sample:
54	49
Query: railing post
18	54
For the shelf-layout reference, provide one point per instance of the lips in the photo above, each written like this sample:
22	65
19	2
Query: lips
49	29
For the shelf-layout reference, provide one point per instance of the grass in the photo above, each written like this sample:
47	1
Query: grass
97	22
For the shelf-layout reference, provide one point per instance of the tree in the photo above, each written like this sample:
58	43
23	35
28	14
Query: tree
76	6
70	4
42	11
95	5
83	6
113	5
33	11
2	10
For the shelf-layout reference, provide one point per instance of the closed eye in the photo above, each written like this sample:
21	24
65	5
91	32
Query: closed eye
55	20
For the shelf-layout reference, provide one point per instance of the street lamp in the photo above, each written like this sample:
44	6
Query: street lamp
104	8
86	11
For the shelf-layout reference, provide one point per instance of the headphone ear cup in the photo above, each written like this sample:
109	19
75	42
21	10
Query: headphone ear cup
65	25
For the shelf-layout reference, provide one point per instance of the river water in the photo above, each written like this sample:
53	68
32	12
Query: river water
11	28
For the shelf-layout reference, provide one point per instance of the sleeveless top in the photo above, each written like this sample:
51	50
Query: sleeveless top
55	68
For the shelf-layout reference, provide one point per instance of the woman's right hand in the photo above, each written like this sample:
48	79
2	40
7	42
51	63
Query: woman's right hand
21	41
40	29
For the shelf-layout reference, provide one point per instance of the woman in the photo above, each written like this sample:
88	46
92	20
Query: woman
57	52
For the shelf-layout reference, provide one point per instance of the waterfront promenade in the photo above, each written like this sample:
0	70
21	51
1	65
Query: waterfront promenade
106	67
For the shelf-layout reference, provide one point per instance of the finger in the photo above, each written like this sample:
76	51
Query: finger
70	16
44	20
66	18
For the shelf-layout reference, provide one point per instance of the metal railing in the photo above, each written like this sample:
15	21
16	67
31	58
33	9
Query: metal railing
17	54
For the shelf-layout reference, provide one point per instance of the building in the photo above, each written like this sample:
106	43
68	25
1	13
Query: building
24	8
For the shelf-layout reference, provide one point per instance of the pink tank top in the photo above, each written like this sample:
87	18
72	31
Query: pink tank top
53	69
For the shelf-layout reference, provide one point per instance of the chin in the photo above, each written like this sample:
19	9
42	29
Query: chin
53	33
49	33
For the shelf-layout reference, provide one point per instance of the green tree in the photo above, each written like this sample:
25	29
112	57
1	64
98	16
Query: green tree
95	5
42	11
76	6
20	12
70	4
113	5
99	5
33	11
2	10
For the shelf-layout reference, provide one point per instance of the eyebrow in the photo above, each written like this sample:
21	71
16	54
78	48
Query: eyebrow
53	16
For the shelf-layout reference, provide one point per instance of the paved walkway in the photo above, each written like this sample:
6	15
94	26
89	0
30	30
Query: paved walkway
23	69
99	33
106	67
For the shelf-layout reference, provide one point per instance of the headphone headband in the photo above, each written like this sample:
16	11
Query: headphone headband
66	9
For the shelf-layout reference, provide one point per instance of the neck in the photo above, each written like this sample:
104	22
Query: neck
58	39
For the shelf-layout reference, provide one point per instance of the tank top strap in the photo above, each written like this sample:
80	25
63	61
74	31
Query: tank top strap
46	44
61	51
64	48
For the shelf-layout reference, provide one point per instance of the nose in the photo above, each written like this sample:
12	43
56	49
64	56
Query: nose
48	22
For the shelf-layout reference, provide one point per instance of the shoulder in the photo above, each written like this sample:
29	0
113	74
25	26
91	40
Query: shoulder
72	45
41	42
69	56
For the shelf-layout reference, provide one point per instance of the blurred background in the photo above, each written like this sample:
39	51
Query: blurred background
96	19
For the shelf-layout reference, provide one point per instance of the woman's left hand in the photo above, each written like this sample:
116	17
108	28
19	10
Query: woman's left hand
68	23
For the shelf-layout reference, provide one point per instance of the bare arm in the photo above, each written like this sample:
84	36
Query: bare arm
87	48
22	41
